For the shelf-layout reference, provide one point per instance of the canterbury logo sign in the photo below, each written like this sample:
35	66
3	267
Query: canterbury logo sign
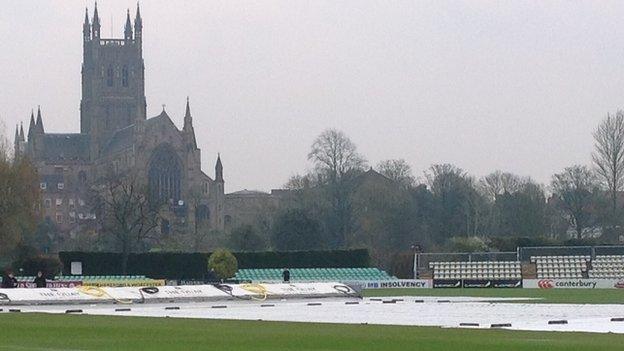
579	283
550	284
545	284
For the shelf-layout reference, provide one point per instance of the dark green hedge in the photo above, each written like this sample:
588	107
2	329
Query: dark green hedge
174	265
304	259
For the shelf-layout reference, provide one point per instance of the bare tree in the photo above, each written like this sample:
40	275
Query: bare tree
441	176
459	206
608	156
336	162
574	190
126	213
335	155
498	183
398	170
301	182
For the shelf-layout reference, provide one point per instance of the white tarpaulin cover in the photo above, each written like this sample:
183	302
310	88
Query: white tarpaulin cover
450	312
22	296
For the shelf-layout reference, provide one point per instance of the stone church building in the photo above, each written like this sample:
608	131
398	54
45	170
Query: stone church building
116	134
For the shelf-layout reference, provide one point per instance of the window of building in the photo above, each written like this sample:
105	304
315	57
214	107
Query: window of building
164	226
59	218
202	213
109	76
60	186
124	76
82	177
71	204
43	186
107	117
47	203
59	202
165	175
81	202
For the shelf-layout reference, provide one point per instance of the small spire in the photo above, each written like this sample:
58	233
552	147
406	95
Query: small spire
31	126
39	123
188	108
86	27
219	169
16	132
138	22
22	131
128	28
96	23
96	17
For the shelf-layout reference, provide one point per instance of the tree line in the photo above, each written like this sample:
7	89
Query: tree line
344	203
341	204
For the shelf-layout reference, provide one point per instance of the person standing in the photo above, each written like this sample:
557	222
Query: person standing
40	280
9	281
286	275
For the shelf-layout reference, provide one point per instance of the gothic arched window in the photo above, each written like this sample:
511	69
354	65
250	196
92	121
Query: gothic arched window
202	213
165	175
124	76
82	177
128	115
109	76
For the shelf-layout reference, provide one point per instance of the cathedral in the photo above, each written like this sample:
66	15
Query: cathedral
115	134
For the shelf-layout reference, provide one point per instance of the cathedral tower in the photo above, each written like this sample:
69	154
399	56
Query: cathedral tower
113	83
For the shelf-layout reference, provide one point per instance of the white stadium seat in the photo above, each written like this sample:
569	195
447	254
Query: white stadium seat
478	270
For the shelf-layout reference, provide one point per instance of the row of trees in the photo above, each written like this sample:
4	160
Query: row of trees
340	205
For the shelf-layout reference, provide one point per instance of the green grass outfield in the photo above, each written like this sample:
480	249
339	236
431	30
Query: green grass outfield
39	332
580	296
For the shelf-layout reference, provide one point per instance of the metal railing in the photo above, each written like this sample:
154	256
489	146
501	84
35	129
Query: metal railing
525	253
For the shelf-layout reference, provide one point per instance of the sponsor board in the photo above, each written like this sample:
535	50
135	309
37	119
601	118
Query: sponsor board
395	284
188	282
490	283
573	283
507	283
447	283
52	284
478	283
128	283
474	283
401	283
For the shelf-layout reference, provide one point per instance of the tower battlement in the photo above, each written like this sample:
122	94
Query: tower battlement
116	42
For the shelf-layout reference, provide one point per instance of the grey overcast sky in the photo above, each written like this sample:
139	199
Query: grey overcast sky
511	85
